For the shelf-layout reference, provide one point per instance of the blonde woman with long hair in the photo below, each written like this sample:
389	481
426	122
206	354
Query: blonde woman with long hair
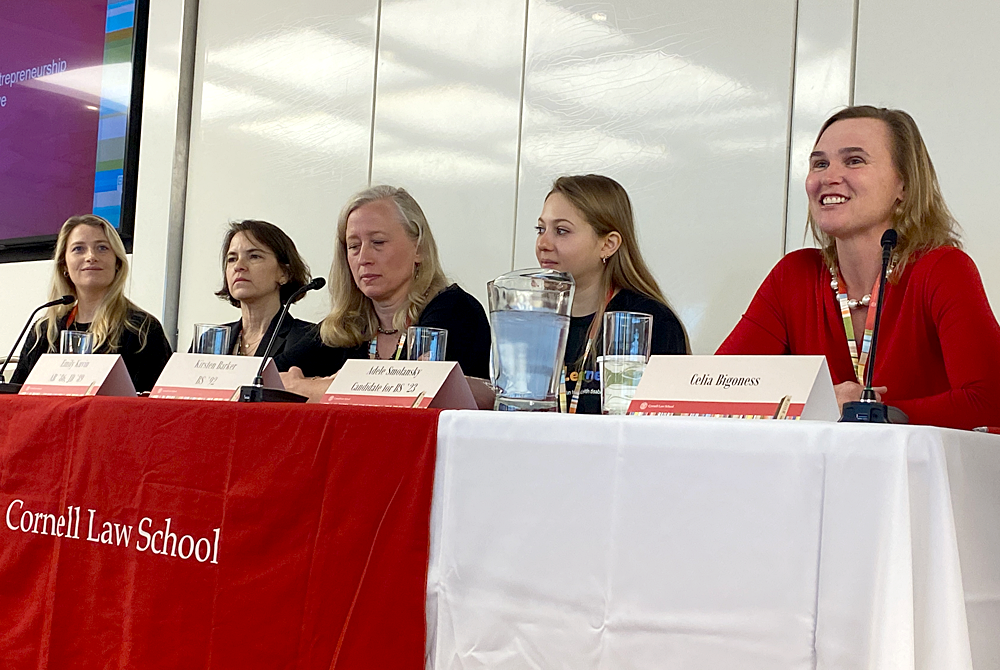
587	229
385	277
90	264
939	353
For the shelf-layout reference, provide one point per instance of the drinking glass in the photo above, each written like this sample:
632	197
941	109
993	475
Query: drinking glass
627	339
426	344
210	339
76	342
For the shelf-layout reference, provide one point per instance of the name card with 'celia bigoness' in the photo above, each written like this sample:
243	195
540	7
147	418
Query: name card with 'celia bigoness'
751	387
418	384
79	375
211	377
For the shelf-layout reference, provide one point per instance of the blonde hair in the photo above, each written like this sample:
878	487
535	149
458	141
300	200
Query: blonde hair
922	219
112	313
352	319
606	207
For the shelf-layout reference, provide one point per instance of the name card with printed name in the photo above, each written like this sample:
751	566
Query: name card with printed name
79	375
749	387
420	384
211	377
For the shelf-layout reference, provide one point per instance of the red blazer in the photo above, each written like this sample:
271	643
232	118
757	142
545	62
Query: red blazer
939	342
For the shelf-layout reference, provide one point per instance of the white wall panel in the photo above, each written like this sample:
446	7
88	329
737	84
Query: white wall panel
930	58
446	124
685	104
281	132
823	42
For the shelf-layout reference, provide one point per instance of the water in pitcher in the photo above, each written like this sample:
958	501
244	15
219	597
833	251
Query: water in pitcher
529	347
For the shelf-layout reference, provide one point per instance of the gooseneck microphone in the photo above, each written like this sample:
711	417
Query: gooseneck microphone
869	409
257	392
14	388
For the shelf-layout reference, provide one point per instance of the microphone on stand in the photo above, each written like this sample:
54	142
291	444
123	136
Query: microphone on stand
14	388
869	409
257	392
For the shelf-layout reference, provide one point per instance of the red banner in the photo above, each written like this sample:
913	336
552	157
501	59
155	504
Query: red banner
142	533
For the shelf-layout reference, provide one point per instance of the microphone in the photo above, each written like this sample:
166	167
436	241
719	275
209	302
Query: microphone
256	392
868	409
14	388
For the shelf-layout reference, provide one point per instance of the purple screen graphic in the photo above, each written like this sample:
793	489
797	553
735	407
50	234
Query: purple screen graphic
51	57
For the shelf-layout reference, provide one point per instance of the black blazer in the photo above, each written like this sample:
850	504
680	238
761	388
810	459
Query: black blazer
292	332
144	363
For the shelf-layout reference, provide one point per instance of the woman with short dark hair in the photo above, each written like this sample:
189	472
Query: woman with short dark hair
261	269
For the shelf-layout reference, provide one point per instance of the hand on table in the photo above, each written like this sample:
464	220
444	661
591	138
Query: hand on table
311	387
851	391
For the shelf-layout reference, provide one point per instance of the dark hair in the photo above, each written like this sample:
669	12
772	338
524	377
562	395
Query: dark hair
280	244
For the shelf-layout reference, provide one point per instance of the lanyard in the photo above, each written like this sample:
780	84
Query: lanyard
859	361
72	316
373	347
591	336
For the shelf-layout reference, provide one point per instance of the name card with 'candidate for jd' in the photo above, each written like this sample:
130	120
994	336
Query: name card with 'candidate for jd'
749	387
79	375
211	377
420	384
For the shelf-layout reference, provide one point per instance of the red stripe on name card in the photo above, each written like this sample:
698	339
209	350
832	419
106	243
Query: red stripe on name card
188	393
723	408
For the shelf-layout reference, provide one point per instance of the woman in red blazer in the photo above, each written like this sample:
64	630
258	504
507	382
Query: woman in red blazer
939	342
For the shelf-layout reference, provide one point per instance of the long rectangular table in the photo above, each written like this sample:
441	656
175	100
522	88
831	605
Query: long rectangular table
641	542
300	537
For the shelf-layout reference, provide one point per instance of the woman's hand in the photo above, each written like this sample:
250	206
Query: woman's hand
311	387
851	392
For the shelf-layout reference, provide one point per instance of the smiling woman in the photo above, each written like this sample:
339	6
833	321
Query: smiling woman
385	277
940	360
90	264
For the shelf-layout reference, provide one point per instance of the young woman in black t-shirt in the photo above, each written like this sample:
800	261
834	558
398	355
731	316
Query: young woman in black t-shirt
587	229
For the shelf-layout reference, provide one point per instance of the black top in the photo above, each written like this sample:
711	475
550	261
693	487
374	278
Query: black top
667	335
452	309
144	364
293	331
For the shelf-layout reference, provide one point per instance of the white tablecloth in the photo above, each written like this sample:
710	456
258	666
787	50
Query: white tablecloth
641	542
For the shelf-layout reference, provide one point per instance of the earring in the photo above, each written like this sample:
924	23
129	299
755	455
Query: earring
65	273
604	260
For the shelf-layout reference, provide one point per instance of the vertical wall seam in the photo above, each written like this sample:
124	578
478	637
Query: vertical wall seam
854	52
520	130
788	131
371	134
177	211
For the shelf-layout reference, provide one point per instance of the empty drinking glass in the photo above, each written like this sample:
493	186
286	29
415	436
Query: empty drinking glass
210	339
76	342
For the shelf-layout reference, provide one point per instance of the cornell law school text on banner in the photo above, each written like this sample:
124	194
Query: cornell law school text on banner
749	387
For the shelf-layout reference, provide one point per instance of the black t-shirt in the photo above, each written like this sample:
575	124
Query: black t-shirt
667	338
452	309
144	363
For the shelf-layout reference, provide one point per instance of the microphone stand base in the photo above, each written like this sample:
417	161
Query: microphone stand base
262	394
862	411
9	388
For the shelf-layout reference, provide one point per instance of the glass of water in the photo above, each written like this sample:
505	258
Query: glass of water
627	339
76	342
426	344
210	339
